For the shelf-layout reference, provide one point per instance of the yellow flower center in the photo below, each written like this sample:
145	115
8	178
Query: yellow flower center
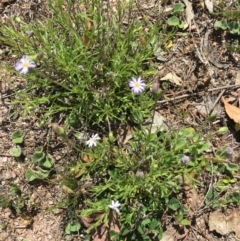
25	64
137	85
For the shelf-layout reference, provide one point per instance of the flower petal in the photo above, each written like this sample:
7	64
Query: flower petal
24	70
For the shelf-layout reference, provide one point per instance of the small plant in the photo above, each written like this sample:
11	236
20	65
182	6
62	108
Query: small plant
174	20
232	26
17	138
72	227
43	164
228	171
16	151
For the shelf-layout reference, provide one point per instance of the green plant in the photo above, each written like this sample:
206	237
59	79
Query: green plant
16	151
232	26
174	20
85	72
43	165
72	227
17	137
143	179
4	201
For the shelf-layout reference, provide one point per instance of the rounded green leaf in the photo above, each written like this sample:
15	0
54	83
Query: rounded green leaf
47	162
232	167
174	204
178	7
180	143
16	151
181	25
222	130
187	132
37	157
233	27
173	21
31	175
17	137
221	24
72	227
185	222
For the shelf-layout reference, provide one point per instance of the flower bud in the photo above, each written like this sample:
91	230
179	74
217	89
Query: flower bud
185	159
111	137
156	91
58	129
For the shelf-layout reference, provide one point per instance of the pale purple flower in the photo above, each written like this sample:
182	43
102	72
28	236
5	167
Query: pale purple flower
24	64
229	150
115	206
137	85
185	159
93	140
139	174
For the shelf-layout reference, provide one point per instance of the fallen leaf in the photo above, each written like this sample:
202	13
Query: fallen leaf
209	5
217	222
86	158
172	77
123	133
225	224
158	123
158	53
67	189
88	24
190	193
232	215
189	11
232	111
142	40
237	80
88	221
169	234
102	230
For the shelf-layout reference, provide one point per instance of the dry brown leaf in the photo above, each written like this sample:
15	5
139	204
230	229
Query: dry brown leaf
237	80
100	233
86	158
209	5
67	189
157	124
169	234
191	195
217	222
232	111
88	221
223	225
142	40
172	77
189	11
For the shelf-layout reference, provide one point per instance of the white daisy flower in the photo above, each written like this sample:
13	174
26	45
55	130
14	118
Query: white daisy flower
93	140
137	85
115	206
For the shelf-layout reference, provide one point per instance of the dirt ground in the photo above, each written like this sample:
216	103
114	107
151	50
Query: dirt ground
205	77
